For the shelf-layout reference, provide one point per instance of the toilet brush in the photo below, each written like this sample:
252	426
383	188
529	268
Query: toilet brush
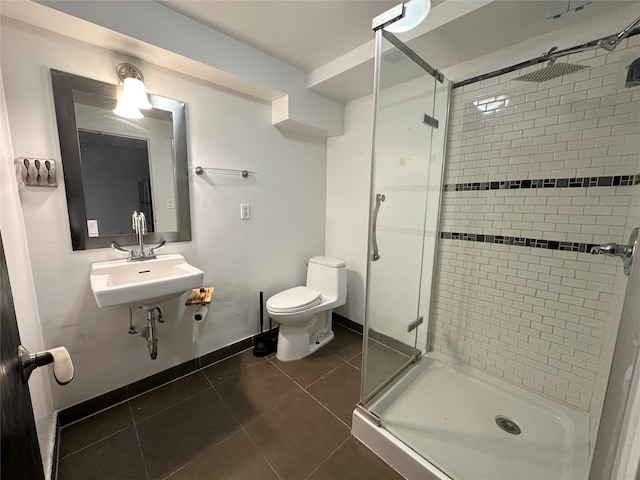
261	348
271	337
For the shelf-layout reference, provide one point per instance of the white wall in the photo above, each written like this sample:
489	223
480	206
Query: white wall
239	258
348	186
14	239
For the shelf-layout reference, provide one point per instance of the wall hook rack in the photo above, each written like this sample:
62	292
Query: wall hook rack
36	172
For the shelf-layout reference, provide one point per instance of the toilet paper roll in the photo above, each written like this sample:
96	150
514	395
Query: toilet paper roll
62	365
196	333
201	313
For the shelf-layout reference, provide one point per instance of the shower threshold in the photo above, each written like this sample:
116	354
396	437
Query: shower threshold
470	425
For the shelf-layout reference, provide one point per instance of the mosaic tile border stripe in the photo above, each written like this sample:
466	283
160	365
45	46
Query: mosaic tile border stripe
578	182
520	241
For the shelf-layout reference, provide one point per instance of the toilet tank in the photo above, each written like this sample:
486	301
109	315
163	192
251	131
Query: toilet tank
328	276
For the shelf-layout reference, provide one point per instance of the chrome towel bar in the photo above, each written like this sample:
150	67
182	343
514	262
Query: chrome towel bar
198	170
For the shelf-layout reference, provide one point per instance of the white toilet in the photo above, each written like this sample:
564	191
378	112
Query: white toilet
304	313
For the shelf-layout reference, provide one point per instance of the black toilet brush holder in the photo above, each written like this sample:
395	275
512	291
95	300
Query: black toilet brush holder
263	344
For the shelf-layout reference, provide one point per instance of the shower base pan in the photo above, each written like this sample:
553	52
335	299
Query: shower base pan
445	420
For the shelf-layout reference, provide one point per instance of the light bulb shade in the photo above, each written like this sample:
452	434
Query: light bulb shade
127	110
132	98
136	93
414	14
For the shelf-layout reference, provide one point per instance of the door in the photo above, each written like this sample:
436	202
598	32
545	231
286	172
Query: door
404	102
19	450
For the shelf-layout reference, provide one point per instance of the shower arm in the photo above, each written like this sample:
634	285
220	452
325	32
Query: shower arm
612	42
552	55
608	43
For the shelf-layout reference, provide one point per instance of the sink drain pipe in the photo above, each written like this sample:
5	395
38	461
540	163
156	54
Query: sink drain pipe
149	332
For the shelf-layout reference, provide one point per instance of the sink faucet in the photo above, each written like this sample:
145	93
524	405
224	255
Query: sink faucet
139	225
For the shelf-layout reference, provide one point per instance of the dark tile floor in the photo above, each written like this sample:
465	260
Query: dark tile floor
242	418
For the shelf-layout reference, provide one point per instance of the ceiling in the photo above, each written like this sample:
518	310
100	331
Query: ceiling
503	23
329	41
303	33
333	40
310	33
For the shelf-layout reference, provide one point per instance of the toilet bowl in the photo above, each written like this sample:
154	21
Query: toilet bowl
304	313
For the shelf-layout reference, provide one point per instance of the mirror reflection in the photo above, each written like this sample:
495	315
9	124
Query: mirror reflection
119	165
116	165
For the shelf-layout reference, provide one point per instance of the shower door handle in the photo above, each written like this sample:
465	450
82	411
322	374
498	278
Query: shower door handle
379	199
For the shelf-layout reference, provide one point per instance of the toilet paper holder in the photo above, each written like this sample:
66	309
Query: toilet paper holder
30	361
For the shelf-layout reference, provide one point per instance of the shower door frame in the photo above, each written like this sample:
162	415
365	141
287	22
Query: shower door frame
365	398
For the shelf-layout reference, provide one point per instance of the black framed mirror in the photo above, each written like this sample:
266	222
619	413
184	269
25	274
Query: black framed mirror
113	165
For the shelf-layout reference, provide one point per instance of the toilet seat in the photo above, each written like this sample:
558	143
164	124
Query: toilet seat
294	300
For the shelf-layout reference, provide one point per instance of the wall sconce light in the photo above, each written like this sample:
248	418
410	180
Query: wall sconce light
133	97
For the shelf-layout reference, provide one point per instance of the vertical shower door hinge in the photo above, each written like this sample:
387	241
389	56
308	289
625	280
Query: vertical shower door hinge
413	325
429	120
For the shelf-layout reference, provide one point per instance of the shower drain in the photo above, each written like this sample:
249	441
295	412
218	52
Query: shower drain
508	425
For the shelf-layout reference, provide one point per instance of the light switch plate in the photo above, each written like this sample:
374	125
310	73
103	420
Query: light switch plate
92	228
245	211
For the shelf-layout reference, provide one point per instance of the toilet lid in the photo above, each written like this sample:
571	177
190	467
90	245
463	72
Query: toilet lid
296	298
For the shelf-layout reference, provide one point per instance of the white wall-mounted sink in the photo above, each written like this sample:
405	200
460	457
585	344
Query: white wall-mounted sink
145	283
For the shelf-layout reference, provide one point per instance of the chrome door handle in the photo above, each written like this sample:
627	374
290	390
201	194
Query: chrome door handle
379	199
625	252
62	365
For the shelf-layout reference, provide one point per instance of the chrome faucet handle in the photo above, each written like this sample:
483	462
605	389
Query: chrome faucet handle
118	248
611	249
625	252
604	249
152	252
134	221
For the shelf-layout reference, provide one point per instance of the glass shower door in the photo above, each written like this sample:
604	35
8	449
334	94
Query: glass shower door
404	95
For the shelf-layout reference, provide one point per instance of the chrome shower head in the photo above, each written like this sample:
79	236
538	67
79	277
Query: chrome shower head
552	70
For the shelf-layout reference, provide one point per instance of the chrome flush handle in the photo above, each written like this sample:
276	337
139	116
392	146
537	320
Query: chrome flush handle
379	199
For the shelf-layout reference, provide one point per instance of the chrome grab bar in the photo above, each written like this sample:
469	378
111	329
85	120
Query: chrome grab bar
379	199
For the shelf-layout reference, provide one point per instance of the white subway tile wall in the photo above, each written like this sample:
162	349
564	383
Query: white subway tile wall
538	317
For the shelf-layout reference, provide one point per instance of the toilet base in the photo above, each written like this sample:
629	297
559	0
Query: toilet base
322	341
296	342
286	352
